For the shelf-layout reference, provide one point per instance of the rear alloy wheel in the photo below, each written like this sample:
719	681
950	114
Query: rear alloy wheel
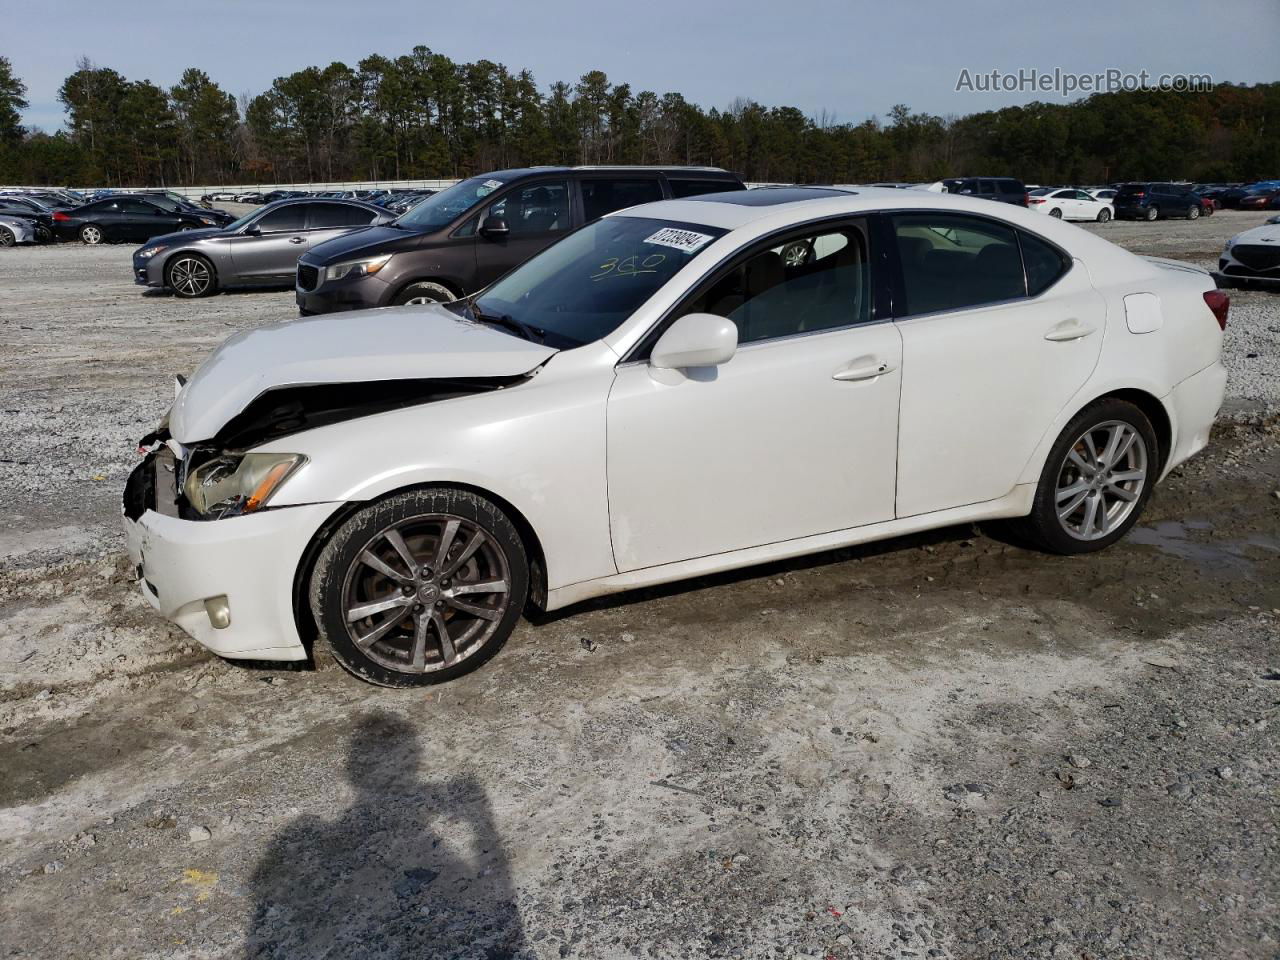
1193	213
7	239
1097	479
424	292
90	234
190	276
1104	215
421	587
1153	213
1056	214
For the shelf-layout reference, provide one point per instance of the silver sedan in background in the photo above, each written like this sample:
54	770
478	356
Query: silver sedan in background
15	230
259	249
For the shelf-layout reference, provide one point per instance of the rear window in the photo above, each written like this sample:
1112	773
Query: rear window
695	188
324	215
1130	189
601	196
1044	264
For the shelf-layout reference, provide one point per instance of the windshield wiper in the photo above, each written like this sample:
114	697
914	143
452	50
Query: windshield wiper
531	333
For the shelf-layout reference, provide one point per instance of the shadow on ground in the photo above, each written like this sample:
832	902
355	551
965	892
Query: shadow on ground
413	868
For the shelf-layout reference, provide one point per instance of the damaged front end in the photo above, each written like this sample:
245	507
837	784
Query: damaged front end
223	477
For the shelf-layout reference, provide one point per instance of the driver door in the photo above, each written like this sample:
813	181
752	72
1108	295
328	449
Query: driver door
796	435
537	214
271	252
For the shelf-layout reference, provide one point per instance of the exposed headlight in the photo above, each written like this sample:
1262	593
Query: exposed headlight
238	483
209	221
147	253
356	268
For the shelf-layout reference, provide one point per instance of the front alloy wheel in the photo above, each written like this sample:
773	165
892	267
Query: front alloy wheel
190	277
421	587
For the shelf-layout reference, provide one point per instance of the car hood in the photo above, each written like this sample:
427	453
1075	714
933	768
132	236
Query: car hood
391	343
361	241
1267	233
186	236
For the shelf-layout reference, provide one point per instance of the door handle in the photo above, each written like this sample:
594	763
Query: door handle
297	240
1068	330
863	368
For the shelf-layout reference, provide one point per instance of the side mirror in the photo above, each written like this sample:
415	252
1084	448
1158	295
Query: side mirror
253	231
695	340
494	228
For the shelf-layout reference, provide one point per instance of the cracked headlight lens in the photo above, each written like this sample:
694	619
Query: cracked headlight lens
356	268
234	484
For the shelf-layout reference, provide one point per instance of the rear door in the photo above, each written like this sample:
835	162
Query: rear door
328	220
603	195
999	331
537	213
270	252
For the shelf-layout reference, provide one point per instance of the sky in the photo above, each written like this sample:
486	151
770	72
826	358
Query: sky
848	58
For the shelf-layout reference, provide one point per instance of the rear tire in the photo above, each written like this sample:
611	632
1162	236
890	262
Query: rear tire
190	276
1056	214
1090	493
90	235
1153	213
436	579
424	291
1104	215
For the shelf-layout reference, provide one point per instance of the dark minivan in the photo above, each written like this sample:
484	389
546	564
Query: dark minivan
1001	189
1150	201
463	238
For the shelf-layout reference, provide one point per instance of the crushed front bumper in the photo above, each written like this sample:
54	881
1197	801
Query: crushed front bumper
238	570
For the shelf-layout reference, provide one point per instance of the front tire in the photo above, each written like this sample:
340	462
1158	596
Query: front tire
7	239
1193	213
1104	215
90	235
421	587
1097	479
190	276
424	291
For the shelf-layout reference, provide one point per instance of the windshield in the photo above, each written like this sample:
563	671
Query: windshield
237	224
441	209
583	287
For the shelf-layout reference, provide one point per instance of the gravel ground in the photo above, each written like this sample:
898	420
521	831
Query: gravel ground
940	746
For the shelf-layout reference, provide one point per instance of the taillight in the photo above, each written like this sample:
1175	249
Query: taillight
1026	199
1218	303
1031	200
59	215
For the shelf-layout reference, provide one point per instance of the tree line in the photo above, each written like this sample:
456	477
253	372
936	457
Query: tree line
423	115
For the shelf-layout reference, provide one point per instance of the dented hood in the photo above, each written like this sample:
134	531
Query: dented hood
392	343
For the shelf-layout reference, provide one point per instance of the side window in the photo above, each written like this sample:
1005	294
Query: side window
605	196
816	282
137	207
1044	263
538	208
986	187
287	219
696	188
328	215
951	261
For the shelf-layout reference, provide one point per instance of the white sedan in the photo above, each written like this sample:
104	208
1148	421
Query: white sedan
1069	204
679	388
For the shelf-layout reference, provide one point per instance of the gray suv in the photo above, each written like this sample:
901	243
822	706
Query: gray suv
259	249
463	238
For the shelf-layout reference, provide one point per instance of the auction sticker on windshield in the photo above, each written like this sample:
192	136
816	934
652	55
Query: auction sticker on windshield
685	240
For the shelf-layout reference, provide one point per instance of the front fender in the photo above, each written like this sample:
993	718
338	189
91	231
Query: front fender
540	446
